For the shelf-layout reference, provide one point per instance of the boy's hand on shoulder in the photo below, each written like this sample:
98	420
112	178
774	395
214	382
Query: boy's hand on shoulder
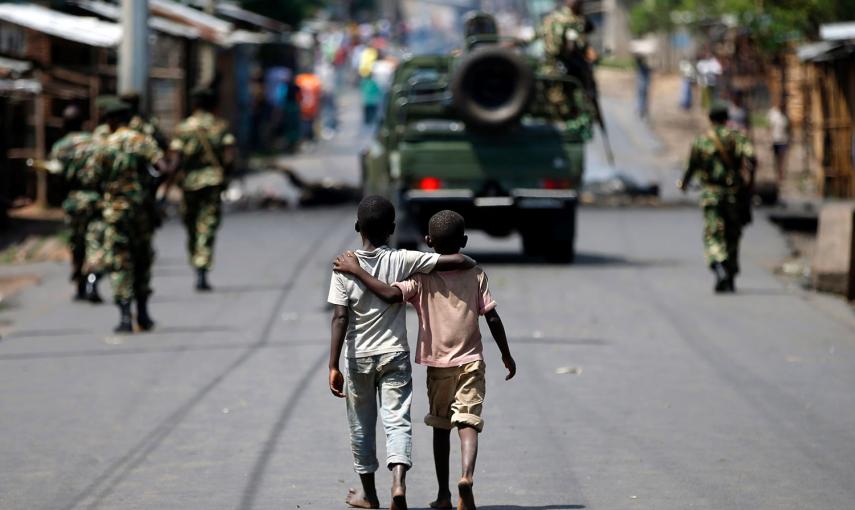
347	263
336	383
511	365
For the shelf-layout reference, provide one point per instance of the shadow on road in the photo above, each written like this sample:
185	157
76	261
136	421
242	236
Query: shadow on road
517	507
582	259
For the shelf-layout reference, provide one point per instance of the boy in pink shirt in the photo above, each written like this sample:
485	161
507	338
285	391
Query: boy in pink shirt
449	304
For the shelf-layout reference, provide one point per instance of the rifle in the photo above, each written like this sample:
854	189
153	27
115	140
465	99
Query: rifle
745	192
578	65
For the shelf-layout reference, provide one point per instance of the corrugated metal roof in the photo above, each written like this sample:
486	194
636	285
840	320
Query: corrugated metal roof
210	27
838	31
112	11
236	12
814	50
90	31
22	86
247	37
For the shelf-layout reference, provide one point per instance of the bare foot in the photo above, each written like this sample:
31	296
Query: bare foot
399	498
357	499
443	501
467	498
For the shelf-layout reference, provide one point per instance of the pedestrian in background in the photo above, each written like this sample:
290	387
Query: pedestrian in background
687	70
202	152
779	126
371	96
643	74
739	117
119	168
68	156
723	160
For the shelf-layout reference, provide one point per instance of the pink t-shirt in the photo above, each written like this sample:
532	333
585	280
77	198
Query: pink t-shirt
449	304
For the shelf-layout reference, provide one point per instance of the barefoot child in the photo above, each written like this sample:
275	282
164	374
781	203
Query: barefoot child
448	304
374	335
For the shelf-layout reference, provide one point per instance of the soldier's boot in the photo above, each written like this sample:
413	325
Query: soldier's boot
721	277
144	320
125	324
202	284
81	289
92	288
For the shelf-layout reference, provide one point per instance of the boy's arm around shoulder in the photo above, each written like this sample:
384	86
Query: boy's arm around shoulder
348	263
454	262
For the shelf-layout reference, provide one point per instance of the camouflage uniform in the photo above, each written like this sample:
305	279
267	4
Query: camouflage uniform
119	165
95	252
722	185
565	46
564	33
202	179
72	152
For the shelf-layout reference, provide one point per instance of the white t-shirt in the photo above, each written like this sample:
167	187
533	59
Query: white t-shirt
779	124
374	326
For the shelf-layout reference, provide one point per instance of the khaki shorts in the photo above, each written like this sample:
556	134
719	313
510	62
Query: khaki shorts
456	396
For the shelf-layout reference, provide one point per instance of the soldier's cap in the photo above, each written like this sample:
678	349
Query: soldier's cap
719	111
130	96
206	93
114	106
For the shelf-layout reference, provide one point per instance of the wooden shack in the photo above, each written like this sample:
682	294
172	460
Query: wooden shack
829	76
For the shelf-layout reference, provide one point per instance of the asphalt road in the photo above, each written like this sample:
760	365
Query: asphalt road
637	387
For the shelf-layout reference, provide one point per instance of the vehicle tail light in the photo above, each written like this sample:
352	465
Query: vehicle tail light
429	184
556	184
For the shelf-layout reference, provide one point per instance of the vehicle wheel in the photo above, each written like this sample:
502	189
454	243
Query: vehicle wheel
533	244
562	252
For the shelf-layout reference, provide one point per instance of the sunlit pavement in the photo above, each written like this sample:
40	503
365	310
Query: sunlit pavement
637	387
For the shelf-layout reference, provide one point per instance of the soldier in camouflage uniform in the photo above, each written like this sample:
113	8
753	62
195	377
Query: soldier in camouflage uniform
724	162
121	168
203	150
565	38
69	156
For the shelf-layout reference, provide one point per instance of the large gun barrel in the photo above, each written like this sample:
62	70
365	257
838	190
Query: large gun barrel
491	86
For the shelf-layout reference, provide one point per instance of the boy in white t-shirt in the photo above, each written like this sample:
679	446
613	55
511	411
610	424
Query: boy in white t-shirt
374	336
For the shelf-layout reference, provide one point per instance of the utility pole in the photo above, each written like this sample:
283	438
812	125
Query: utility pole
133	51
207	52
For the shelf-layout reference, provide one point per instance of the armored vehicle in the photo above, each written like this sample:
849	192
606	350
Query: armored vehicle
490	133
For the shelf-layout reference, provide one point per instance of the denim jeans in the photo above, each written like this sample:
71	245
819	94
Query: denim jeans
386	378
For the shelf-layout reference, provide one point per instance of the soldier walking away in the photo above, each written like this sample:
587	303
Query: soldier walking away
203	152
69	156
121	167
724	161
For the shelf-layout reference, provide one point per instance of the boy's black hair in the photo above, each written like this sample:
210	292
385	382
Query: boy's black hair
375	218
446	226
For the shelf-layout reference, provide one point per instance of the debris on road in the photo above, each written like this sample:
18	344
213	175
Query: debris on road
568	371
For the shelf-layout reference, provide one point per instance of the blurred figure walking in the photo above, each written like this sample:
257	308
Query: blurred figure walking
779	125
724	162
69	156
202	152
120	168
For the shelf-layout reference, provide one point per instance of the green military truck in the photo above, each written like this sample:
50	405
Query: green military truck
489	133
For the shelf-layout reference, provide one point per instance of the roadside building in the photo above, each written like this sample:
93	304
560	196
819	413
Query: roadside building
829	97
50	59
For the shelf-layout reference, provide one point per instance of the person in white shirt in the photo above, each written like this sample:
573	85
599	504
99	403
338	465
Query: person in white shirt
779	125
